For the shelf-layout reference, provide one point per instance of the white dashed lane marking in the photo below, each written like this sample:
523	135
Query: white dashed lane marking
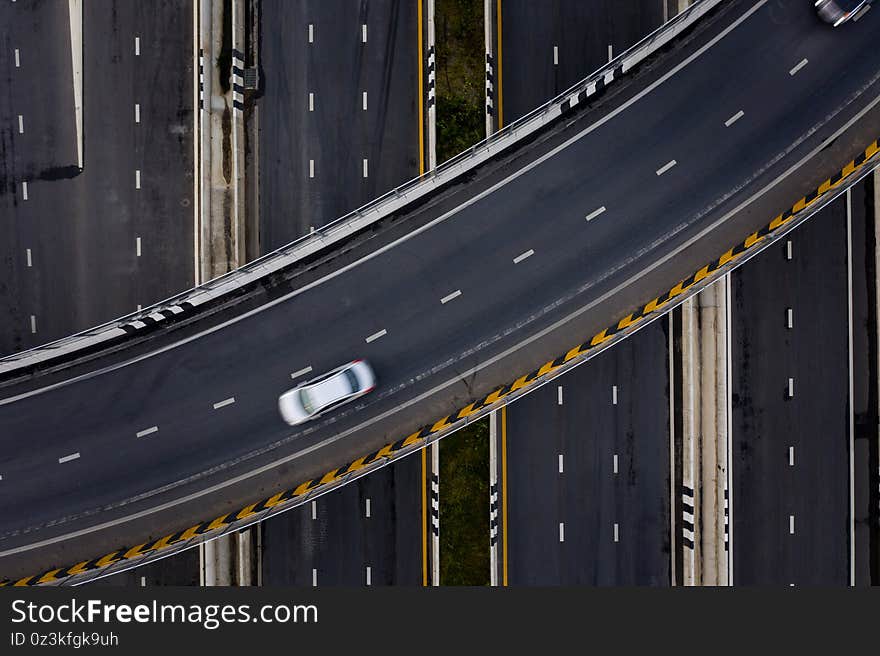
615	463
147	431
733	119
17	59
523	256
791	388
224	403
311	33
33	324
369	575
314	510
20	124
616	532
561	464
138	246
301	372
559	395
562	531
311	101
314	578
366	169
137	112
663	169
798	67
24	193
556	55
375	336
614	394
367	509
791	456
789	318
592	215
364	33
137	179
30	262
365	100
137	46
311	168
791	524
450	297
72	456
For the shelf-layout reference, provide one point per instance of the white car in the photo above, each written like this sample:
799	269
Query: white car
323	393
837	12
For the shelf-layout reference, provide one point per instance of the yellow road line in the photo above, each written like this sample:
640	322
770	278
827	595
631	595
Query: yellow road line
504	490
498	68
421	98
424	515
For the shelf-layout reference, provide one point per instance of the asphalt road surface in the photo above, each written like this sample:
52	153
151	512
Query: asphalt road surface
331	101
791	468
588	472
88	246
513	313
547	47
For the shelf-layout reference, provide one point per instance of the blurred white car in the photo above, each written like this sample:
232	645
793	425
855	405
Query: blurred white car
837	12
325	392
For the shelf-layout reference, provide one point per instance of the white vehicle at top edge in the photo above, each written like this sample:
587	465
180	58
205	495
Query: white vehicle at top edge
326	392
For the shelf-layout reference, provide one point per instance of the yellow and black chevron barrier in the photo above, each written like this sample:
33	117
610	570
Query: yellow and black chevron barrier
421	436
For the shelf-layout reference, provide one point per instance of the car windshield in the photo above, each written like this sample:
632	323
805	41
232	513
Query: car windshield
307	401
318	396
353	381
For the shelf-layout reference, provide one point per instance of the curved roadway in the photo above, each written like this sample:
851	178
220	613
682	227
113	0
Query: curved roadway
511	314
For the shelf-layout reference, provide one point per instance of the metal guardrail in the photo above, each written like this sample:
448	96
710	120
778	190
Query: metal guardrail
383	206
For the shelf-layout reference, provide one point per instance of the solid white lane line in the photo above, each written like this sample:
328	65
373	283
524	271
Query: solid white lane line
367	509
375	336
614	394
147	431
592	215
72	456
17	59
365	100
137	112
615	463
616	532
314	577
24	190
559	395
29	260
562	531
733	119
311	101
523	256
663	169
798	67
311	32
314	510
788	250
791	388
224	403
791	524
137	46
369	575
789	318
450	297
366	171
556	55
311	168
561	465
301	372
137	179
791	456
20	124
138	246
364	33
33	324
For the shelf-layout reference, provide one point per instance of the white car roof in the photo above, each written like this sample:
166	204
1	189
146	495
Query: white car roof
328	391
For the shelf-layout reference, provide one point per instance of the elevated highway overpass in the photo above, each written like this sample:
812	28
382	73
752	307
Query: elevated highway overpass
454	296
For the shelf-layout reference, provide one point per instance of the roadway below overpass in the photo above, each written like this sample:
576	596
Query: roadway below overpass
703	185
585	460
339	125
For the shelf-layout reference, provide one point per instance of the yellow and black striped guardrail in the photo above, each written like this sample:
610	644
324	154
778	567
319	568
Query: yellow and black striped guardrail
421	437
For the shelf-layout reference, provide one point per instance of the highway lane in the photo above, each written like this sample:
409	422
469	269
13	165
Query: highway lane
790	450
76	227
588	472
502	303
332	100
368	533
549	48
340	82
127	216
